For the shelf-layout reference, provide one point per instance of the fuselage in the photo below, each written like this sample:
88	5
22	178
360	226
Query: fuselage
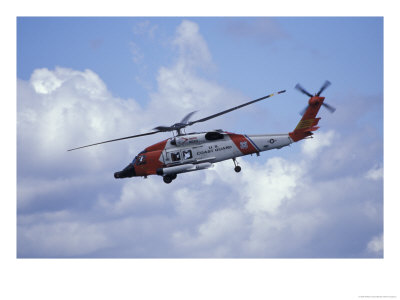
195	151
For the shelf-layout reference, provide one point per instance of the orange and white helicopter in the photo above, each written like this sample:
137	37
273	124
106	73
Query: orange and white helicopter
186	152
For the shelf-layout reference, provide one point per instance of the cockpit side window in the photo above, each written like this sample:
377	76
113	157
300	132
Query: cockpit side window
176	156
140	159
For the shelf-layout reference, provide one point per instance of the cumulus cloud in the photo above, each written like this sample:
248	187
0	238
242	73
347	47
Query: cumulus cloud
60	239
252	203
69	205
320	140
282	210
271	184
180	89
193	50
222	230
75	108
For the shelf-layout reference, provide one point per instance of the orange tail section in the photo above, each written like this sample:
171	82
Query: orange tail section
308	122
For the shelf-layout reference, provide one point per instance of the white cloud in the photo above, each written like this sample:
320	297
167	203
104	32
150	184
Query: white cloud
218	236
30	189
376	173
141	195
188	202
137	54
260	187
193	50
375	245
45	81
59	239
271	184
220	224
181	90
145	28
319	141
78	110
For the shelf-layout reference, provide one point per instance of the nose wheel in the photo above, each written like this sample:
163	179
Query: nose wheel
237	167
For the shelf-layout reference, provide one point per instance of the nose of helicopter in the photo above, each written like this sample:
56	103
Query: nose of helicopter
129	171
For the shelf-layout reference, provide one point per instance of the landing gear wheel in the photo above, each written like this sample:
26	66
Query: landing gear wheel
237	167
167	179
173	176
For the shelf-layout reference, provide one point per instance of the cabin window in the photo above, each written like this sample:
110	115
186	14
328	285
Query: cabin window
175	156
187	154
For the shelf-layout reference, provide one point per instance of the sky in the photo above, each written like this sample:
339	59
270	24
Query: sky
85	80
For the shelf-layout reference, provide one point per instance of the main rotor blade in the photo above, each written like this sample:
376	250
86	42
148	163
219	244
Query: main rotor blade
176	126
325	85
233	108
301	89
163	128
188	116
124	138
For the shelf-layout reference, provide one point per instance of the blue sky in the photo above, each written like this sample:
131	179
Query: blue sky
275	48
84	80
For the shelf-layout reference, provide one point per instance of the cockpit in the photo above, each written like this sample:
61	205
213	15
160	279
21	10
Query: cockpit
129	170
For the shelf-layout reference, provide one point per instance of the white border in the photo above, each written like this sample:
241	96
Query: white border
202	278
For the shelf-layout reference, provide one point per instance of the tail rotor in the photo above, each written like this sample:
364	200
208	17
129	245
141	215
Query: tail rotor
302	90
326	84
323	87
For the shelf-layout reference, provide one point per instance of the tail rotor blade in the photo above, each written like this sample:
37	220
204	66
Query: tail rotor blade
301	89
324	86
329	107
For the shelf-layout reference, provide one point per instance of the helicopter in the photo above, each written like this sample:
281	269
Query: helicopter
187	152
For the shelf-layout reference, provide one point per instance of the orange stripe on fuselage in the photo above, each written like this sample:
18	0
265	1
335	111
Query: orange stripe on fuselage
153	159
158	146
152	163
242	143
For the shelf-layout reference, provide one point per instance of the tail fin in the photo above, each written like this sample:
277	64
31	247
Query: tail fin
308	122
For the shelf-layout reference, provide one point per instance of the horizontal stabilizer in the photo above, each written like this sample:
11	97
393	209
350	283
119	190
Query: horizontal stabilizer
304	128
